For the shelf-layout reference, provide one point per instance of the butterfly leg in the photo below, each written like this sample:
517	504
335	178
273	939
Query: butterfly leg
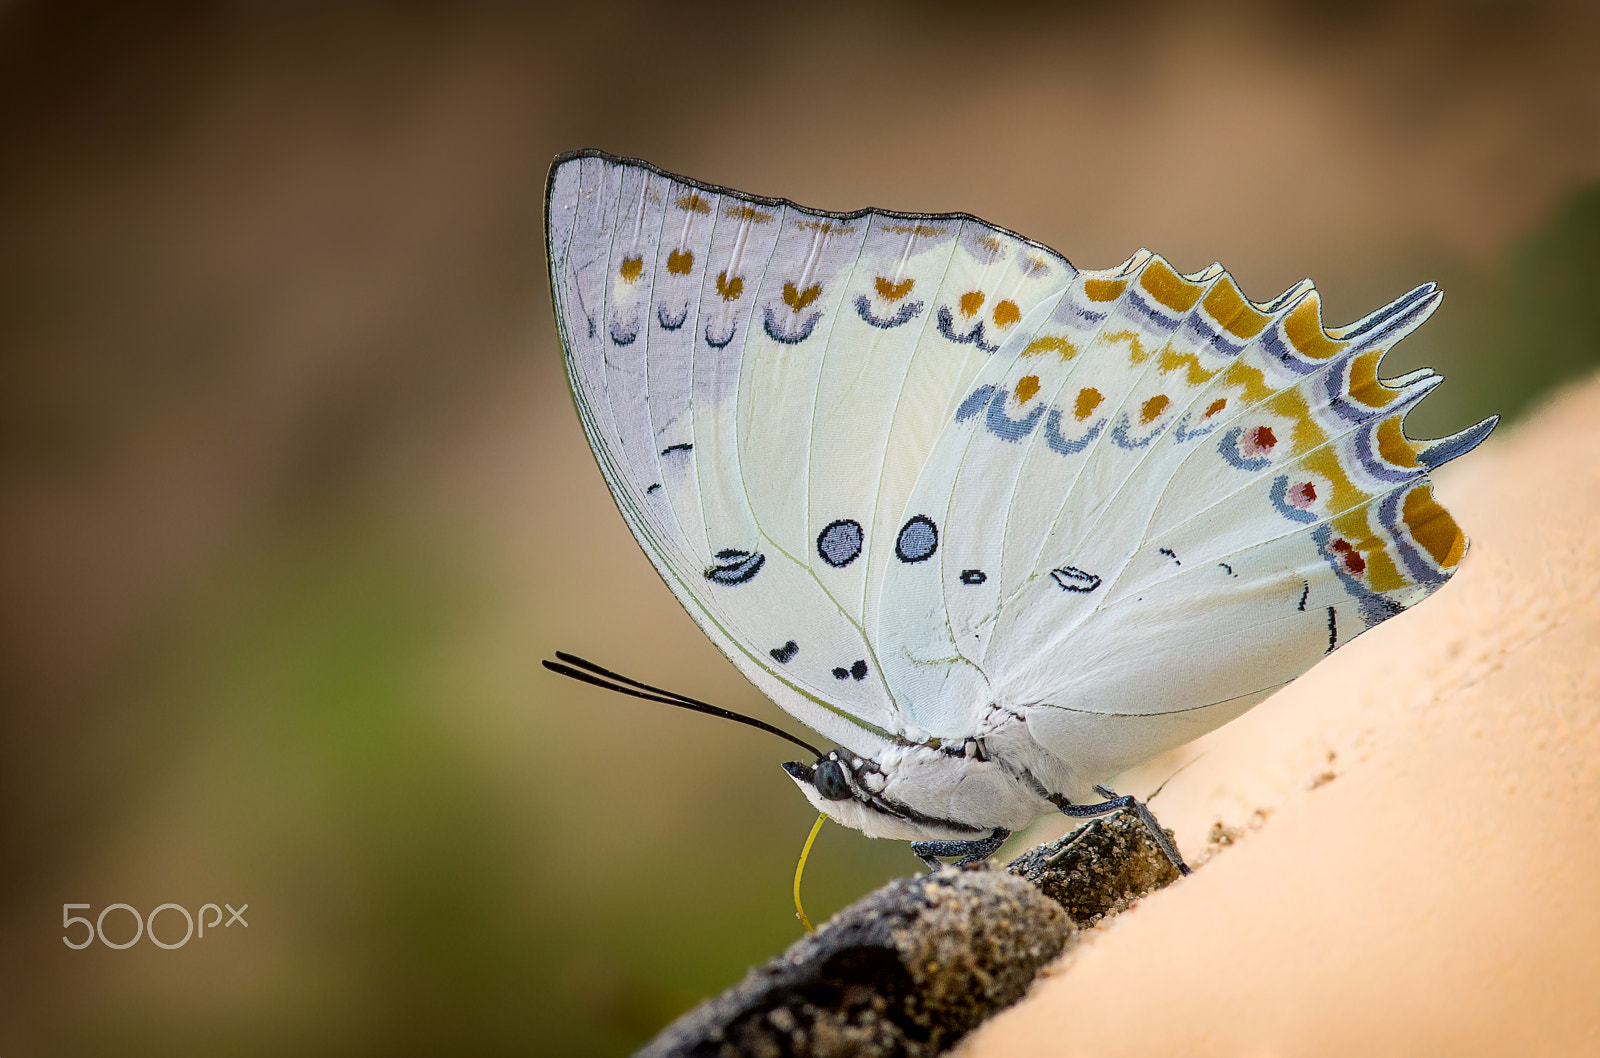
1113	803
969	851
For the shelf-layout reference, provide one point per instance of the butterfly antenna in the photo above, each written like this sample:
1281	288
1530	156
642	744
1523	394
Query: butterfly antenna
577	668
1182	768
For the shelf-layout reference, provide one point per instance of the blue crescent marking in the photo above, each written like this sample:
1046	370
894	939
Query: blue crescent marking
1004	426
1229	447
1416	565
1069	446
669	324
1280	500
995	419
774	327
974	403
627	336
1119	434
947	325
722	343
904	314
1181	433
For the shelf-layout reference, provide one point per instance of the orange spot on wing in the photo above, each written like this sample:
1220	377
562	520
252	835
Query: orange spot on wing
1303	327
1171	360
1050	343
1088	400
1229	308
1027	386
893	291
1364	385
1241	375
730	289
1216	406
1393	446
1006	313
693	203
971	302
679	262
750	213
799	299
1152	408
631	267
1137	353
1104	289
1168	287
1433	528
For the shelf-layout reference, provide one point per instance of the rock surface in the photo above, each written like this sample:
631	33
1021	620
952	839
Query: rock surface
915	966
906	971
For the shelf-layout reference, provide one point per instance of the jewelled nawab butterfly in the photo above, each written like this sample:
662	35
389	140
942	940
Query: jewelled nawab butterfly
997	527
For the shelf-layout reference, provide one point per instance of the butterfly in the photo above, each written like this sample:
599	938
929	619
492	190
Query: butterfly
998	528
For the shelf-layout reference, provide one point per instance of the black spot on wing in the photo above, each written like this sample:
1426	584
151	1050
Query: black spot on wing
840	542
918	539
782	655
856	671
973	576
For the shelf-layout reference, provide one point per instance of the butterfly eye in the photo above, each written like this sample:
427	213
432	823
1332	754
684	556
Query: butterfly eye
829	781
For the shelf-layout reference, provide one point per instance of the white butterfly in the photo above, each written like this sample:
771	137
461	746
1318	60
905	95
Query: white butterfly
999	528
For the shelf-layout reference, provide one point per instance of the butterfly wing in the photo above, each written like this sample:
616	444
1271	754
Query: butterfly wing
906	470
1178	501
761	385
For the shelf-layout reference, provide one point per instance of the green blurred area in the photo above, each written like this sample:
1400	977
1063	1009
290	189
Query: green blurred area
294	499
414	897
1507	335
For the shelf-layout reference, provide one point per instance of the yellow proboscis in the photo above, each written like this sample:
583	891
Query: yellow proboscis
800	868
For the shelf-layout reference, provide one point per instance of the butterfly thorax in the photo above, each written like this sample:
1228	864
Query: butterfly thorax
952	790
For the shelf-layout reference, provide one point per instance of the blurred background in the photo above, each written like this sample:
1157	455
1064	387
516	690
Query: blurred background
294	499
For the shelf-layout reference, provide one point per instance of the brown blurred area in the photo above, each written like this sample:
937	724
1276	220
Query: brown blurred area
292	498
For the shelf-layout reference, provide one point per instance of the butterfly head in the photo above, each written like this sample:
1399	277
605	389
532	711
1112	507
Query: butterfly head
830	778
